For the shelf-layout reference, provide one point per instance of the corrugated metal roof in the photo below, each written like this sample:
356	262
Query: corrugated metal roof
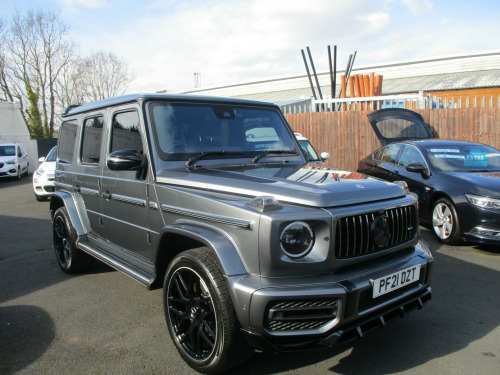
435	82
445	73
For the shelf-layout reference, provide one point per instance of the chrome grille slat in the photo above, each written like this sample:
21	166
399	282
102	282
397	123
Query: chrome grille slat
354	235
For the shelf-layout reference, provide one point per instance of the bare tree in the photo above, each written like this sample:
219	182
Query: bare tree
38	51
103	75
40	70
4	80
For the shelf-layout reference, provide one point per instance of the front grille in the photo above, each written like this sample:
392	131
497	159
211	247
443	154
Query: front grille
295	315
359	235
49	188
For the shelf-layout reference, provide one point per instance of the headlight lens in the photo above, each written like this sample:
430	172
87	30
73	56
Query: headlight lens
11	161
39	172
297	239
483	202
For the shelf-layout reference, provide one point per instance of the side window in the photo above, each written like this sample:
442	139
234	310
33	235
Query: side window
19	152
410	155
91	140
125	134
389	154
66	143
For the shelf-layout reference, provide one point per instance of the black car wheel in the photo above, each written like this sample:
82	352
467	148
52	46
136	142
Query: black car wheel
70	258
445	222
200	315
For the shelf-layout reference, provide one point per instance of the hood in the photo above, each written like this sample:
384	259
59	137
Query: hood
481	183
3	159
308	185
48	166
398	124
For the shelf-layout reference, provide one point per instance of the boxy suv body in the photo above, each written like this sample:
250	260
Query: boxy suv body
213	200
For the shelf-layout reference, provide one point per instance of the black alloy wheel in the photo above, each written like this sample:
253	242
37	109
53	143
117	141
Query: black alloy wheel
200	314
70	258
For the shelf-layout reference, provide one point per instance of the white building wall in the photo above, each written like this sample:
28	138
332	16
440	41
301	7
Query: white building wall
14	129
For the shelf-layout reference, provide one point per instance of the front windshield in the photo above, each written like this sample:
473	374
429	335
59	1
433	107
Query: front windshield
184	130
463	157
311	153
7	150
52	155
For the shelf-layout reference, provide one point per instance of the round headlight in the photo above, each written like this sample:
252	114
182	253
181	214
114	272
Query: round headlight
297	239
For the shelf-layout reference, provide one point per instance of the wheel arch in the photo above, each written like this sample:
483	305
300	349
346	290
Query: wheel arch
177	238
65	199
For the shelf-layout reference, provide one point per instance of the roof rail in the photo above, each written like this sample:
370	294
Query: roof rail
69	108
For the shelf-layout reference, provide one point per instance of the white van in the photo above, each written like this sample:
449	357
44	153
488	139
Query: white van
13	160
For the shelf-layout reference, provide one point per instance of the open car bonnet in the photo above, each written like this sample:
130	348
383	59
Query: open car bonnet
397	124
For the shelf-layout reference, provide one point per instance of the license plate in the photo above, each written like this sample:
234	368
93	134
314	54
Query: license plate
395	280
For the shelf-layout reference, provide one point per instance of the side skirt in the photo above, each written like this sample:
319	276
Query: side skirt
137	267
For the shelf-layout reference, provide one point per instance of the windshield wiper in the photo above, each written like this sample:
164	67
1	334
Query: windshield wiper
194	159
260	156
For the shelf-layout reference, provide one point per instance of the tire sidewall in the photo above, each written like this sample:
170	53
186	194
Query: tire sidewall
190	261
62	214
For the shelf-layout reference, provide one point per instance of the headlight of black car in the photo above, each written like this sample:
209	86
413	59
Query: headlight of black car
483	202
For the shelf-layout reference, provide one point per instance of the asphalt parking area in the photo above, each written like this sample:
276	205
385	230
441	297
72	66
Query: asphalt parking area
104	322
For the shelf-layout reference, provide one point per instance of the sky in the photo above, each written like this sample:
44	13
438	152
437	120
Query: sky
165	42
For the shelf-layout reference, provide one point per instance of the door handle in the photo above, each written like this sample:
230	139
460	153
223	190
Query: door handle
106	195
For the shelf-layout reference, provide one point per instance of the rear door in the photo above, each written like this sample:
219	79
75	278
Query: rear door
87	176
384	163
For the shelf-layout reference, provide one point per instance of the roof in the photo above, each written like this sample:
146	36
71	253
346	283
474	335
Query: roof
479	70
118	100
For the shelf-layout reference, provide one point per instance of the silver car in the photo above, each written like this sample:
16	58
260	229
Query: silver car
212	200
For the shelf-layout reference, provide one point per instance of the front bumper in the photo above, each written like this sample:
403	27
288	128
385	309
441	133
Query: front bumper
43	186
9	170
317	312
479	225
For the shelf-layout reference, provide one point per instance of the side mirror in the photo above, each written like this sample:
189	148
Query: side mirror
42	159
417	168
325	156
124	160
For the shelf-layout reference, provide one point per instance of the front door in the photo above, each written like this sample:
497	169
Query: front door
125	193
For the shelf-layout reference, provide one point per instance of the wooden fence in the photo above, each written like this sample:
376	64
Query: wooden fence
348	136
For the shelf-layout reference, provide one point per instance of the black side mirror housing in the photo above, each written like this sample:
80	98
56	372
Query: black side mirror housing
124	160
418	168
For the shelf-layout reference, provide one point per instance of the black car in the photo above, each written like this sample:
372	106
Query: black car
457	183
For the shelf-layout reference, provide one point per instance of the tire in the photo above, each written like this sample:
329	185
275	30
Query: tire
445	222
70	258
200	315
41	198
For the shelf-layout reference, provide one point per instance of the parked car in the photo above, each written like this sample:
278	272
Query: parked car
457	183
309	151
44	176
13	160
213	200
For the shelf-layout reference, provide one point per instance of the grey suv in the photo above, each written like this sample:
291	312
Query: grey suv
212	200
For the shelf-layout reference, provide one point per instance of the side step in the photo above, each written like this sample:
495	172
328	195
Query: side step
130	264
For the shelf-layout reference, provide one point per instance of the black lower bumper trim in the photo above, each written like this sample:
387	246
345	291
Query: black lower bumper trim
357	329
